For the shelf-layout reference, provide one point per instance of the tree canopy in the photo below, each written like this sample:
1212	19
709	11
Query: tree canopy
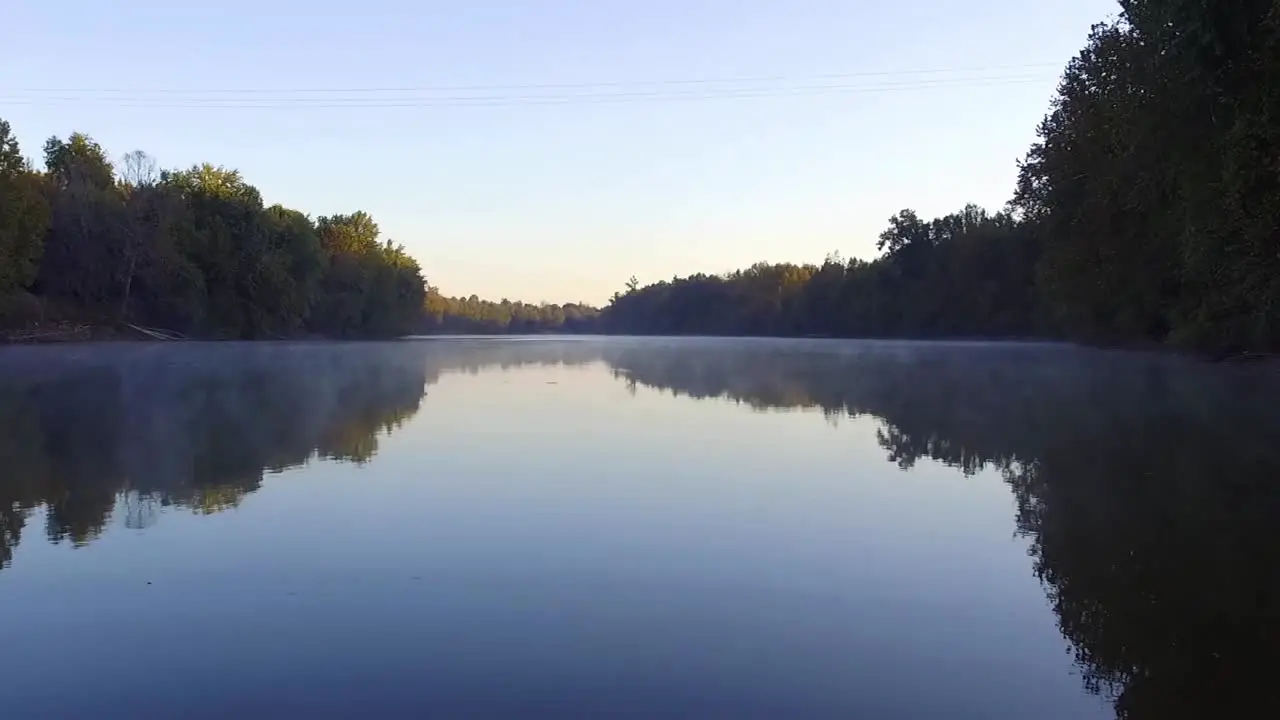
964	275
195	251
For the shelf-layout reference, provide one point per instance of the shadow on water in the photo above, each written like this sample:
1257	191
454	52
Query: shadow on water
93	432
88	433
1148	487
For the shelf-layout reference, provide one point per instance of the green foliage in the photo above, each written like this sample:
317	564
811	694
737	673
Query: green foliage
1147	212
78	159
192	250
245	253
367	287
84	260
1156	179
24	217
967	274
476	316
354	234
295	265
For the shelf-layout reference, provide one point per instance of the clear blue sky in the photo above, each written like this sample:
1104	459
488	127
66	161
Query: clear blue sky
564	200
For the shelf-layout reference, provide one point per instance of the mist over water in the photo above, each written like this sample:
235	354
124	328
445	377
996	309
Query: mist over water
636	527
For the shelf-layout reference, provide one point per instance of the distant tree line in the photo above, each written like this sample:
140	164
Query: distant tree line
195	251
968	274
1148	212
475	316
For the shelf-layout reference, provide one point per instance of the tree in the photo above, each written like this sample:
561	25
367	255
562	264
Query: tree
78	158
149	216
369	287
138	170
223	234
1152	180
1147	212
24	217
295	266
354	234
85	260
192	250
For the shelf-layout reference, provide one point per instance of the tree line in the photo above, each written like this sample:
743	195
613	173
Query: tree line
967	274
1148	212
471	315
194	251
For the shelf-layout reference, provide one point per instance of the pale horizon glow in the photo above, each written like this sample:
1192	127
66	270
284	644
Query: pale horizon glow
563	201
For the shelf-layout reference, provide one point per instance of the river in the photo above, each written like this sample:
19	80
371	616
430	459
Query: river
618	527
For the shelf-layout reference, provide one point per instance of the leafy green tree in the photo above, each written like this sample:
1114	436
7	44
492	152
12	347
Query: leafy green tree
369	287
967	274
194	250
222	234
295	267
354	234
1145	213
24	217
78	159
472	315
85	261
1153	180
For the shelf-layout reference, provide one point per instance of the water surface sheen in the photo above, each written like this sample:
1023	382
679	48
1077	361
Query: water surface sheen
636	528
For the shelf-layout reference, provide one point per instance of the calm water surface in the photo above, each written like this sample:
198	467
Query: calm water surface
636	528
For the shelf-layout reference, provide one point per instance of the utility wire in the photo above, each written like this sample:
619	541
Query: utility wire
338	101
556	86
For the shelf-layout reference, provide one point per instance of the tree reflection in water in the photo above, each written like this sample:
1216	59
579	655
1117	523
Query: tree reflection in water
88	432
135	428
1149	488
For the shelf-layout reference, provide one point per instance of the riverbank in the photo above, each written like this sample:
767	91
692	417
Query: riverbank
69	332
56	332
48	331
26	319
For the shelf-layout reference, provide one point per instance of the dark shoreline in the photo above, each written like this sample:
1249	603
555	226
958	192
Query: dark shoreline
64	333
79	334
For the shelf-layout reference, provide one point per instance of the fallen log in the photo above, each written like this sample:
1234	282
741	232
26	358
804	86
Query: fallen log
156	333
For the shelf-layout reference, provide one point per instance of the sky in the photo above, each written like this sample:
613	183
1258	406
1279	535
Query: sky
548	150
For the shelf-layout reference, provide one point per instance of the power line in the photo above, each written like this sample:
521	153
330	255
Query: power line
553	86
256	102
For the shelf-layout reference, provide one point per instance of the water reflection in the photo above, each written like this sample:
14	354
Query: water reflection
88	433
1149	488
